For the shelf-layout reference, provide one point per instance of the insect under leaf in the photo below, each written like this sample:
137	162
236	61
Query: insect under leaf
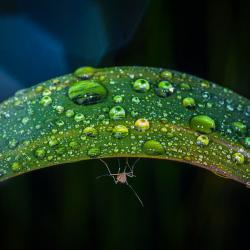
121	177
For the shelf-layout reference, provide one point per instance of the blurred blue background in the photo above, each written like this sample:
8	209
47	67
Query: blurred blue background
66	207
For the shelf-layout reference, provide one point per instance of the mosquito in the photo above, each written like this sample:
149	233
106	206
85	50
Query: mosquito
121	177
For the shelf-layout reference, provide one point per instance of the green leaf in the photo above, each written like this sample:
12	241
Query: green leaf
126	112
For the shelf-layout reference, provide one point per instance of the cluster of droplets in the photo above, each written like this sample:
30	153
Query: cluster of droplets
87	89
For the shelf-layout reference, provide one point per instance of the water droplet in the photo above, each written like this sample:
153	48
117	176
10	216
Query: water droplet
94	152
246	142
240	128
185	86
59	109
202	140
90	131
85	72
166	74
87	92
25	120
79	117
46	92
142	124
117	113
16	166
134	113
205	84
53	142
203	124
141	85
118	99
135	99
153	147
73	144
60	123
188	102
70	113
39	89
45	101
120	131
40	153
238	158
164	89
13	143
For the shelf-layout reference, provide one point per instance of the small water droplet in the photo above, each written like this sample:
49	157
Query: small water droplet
13	143
73	144
59	109
166	74
203	124
94	152
118	99
40	153
142	124
46	92
185	86
141	85
79	117
70	113
189	103
16	166
238	158
246	142
90	131
153	147
164	89
120	131
87	92
45	101
202	140
239	127
117	113
39	89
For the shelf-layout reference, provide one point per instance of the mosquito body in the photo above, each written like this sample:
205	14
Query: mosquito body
121	177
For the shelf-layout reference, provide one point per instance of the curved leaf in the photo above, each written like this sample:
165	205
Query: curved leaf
126	112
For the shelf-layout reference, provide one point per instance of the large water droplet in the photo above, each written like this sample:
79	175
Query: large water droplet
153	147
87	92
141	85
203	124
117	113
120	131
85	72
142	124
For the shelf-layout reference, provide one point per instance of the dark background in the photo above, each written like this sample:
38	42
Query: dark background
65	207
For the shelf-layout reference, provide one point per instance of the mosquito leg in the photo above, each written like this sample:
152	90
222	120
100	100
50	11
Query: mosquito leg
135	162
127	164
106	165
135	193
